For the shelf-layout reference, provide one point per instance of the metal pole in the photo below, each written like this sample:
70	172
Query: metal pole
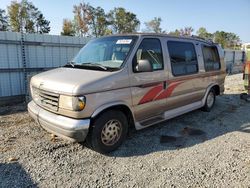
23	54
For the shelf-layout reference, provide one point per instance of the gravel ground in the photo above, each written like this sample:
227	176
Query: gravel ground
198	149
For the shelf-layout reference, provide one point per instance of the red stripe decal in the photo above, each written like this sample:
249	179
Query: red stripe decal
168	91
151	94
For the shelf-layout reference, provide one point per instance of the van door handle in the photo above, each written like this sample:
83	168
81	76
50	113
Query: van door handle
164	84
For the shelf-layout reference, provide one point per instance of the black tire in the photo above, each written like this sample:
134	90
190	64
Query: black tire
208	104
102	123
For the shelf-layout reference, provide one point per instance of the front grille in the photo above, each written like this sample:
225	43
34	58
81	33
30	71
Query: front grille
46	99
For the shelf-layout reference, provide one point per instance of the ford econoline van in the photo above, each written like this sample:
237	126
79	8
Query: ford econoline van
123	81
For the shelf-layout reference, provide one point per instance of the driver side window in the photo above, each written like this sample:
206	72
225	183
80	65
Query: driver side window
150	49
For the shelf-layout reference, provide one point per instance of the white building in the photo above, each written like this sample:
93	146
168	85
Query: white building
245	47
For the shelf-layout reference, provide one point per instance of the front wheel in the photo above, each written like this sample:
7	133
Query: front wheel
108	131
210	100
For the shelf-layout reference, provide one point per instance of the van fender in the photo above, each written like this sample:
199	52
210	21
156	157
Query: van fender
207	91
109	105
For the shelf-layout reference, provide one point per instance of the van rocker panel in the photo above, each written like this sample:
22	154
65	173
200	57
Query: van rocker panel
174	112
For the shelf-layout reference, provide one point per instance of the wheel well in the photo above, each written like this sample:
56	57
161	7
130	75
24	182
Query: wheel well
123	108
216	89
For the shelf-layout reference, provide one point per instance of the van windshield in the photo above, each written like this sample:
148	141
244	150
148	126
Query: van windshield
106	53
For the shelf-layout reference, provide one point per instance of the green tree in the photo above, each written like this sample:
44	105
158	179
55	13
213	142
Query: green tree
3	21
82	18
98	21
26	16
88	21
154	25
233	41
202	32
91	21
221	38
186	31
15	14
175	33
227	40
68	28
122	21
42	25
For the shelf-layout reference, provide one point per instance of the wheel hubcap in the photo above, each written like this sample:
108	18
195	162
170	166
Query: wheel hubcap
210	100
111	132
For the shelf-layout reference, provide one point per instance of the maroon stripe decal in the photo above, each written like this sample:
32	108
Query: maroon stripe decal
167	93
151	94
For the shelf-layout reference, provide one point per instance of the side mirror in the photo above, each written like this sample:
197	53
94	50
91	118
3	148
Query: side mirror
144	65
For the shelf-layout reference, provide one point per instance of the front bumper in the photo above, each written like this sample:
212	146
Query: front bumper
69	128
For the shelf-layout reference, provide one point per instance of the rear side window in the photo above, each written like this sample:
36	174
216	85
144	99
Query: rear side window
183	58
150	49
211	58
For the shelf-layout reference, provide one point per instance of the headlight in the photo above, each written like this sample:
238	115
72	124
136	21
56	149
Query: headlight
72	103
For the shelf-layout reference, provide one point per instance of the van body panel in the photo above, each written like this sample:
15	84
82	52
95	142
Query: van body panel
106	99
145	87
175	111
186	91
112	81
104	107
144	91
72	79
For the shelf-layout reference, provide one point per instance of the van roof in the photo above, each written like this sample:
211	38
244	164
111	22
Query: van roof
193	37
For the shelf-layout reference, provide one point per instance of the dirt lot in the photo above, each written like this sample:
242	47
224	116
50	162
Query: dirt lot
205	150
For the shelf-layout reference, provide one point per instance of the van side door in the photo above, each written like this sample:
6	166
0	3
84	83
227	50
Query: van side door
181	89
146	86
212	67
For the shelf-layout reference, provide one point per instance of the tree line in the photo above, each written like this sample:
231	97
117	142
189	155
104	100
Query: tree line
89	21
23	16
226	39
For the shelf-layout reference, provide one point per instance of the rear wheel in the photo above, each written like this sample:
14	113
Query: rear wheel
108	131
210	100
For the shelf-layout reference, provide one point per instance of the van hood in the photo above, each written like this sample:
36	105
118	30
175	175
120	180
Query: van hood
73	81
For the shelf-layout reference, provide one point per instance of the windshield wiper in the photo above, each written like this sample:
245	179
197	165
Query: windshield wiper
95	65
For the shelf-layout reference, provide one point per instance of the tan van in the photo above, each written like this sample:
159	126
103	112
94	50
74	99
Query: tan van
120	81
